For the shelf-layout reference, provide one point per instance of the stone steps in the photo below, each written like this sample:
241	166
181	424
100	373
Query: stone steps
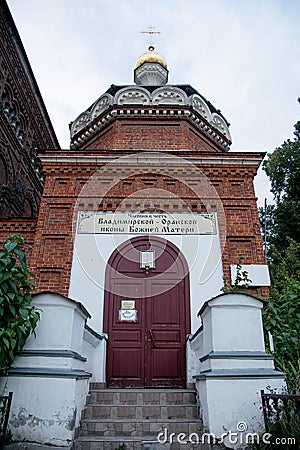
140	396
132	427
135	417
132	443
185	411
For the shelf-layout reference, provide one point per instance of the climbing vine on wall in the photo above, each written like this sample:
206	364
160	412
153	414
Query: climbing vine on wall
241	282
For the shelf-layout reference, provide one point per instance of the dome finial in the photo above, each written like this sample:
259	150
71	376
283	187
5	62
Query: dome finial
151	68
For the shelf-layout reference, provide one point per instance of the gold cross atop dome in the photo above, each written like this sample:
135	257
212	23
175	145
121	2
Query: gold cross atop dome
151	55
151	32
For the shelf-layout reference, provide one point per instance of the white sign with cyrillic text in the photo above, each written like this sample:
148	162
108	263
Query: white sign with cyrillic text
146	223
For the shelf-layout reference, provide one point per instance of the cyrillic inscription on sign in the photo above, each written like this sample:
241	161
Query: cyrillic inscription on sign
146	223
128	304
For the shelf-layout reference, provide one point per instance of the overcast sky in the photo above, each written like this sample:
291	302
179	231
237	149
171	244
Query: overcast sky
242	55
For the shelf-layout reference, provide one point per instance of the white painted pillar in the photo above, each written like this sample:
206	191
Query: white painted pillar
233	366
48	379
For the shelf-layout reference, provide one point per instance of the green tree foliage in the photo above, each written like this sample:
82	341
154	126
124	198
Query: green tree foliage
284	265
281	232
282	319
283	168
17	317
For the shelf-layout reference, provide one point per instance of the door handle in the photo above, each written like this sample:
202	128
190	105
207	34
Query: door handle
152	338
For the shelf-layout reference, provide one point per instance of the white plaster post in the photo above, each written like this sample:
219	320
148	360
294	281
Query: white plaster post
48	379
233	366
94	349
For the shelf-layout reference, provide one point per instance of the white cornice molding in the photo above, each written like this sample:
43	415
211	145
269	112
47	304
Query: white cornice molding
208	128
138	159
211	123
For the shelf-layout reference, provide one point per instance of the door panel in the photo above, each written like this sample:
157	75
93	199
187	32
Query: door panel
164	309
161	336
127	363
127	336
165	364
126	339
166	319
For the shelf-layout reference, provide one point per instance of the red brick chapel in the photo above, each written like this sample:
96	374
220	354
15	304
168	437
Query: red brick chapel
149	174
135	229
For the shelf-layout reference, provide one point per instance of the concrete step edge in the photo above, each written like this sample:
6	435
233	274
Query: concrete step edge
161	420
141	391
147	405
115	439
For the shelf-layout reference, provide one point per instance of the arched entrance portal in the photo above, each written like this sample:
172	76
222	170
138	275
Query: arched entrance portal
146	344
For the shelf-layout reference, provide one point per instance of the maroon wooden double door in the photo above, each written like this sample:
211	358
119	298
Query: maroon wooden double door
150	350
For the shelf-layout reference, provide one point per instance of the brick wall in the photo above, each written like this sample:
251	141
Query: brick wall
22	227
154	133
24	126
53	246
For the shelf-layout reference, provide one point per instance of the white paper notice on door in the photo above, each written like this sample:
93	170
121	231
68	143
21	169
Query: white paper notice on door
128	315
